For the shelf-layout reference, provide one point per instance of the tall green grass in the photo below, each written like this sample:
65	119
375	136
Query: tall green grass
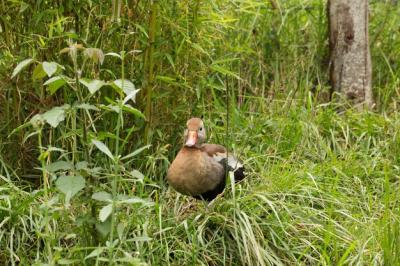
322	186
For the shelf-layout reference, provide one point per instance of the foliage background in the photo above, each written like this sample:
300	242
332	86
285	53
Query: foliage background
322	185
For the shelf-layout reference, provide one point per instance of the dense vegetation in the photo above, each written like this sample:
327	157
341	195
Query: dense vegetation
83	153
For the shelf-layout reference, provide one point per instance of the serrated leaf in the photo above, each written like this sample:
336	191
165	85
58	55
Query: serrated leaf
59	165
21	65
70	185
102	196
105	212
93	85
101	146
54	84
50	68
95	253
55	115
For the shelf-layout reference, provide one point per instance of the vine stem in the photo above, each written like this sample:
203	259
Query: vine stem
46	183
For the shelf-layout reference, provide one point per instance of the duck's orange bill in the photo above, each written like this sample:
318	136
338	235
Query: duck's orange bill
192	138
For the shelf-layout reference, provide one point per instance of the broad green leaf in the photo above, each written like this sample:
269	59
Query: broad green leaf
54	84
104	228
38	72
95	253
50	68
105	212
92	85
55	115
70	185
21	65
127	87
101	146
59	165
102	196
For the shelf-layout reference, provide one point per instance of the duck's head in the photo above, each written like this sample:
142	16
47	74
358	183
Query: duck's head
195	133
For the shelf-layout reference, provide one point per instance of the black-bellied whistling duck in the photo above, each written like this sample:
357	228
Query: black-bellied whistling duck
199	169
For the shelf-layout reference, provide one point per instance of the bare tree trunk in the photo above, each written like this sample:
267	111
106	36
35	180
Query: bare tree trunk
349	51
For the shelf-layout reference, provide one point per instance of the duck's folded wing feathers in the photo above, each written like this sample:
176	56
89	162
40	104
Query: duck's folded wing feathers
219	153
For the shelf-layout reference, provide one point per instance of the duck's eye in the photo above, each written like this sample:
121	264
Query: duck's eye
201	128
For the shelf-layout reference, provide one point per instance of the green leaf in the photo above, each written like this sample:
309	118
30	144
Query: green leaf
127	86
21	65
135	152
87	106
68	261
101	146
54	84
132	110
137	174
50	68
102	196
95	253
59	165
93	85
224	71
114	55
55	115
135	200
105	212
70	185
38	72
104	228
81	165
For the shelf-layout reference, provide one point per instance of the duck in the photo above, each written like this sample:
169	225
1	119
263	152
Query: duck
199	169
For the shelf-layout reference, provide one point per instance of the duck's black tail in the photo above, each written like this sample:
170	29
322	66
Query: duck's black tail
235	166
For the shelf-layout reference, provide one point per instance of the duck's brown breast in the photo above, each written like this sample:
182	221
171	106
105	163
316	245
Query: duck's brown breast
194	172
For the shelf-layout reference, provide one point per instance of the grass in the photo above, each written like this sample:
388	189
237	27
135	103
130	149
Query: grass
322	188
78	185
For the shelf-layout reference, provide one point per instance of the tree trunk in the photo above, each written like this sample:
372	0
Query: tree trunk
349	51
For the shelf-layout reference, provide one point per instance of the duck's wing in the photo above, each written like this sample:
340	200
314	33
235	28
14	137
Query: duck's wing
219	153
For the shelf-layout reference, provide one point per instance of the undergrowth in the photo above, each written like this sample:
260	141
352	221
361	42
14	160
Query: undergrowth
94	98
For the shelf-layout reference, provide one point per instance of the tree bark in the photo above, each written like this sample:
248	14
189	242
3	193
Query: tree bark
350	58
